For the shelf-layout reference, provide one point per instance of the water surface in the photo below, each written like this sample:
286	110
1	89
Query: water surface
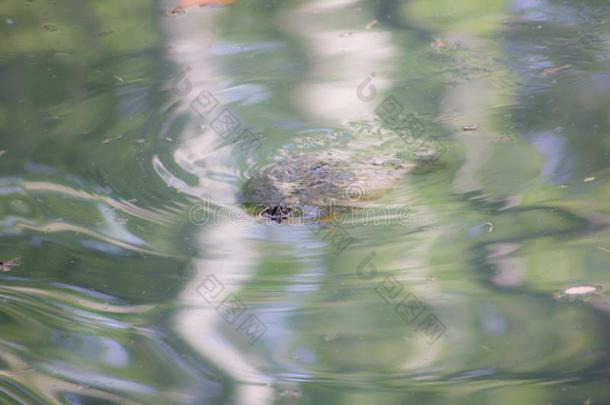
127	132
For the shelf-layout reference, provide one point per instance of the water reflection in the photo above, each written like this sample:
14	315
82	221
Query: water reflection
110	140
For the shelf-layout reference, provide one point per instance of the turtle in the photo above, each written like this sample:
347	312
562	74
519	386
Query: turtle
315	185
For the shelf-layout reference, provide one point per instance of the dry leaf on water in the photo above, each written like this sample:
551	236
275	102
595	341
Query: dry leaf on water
550	71
8	265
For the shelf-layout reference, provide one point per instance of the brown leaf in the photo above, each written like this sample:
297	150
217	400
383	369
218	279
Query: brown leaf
550	71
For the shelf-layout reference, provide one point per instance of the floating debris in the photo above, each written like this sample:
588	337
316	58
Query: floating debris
119	78
176	12
550	71
371	25
8	265
581	290
604	249
577	292
50	27
481	228
2	152
10	21
470	127
108	140
105	33
589	179
52	118
438	44
180	9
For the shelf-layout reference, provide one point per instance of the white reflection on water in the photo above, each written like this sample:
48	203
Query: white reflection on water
326	94
198	323
340	61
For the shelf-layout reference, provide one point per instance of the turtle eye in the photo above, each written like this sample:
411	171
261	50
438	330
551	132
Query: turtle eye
277	213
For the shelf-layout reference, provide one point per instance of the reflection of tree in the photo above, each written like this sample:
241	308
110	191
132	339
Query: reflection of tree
80	107
541	238
355	332
84	99
572	105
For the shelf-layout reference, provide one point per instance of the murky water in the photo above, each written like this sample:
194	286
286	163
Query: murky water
479	276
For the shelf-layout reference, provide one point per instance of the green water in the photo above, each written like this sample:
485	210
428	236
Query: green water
126	136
